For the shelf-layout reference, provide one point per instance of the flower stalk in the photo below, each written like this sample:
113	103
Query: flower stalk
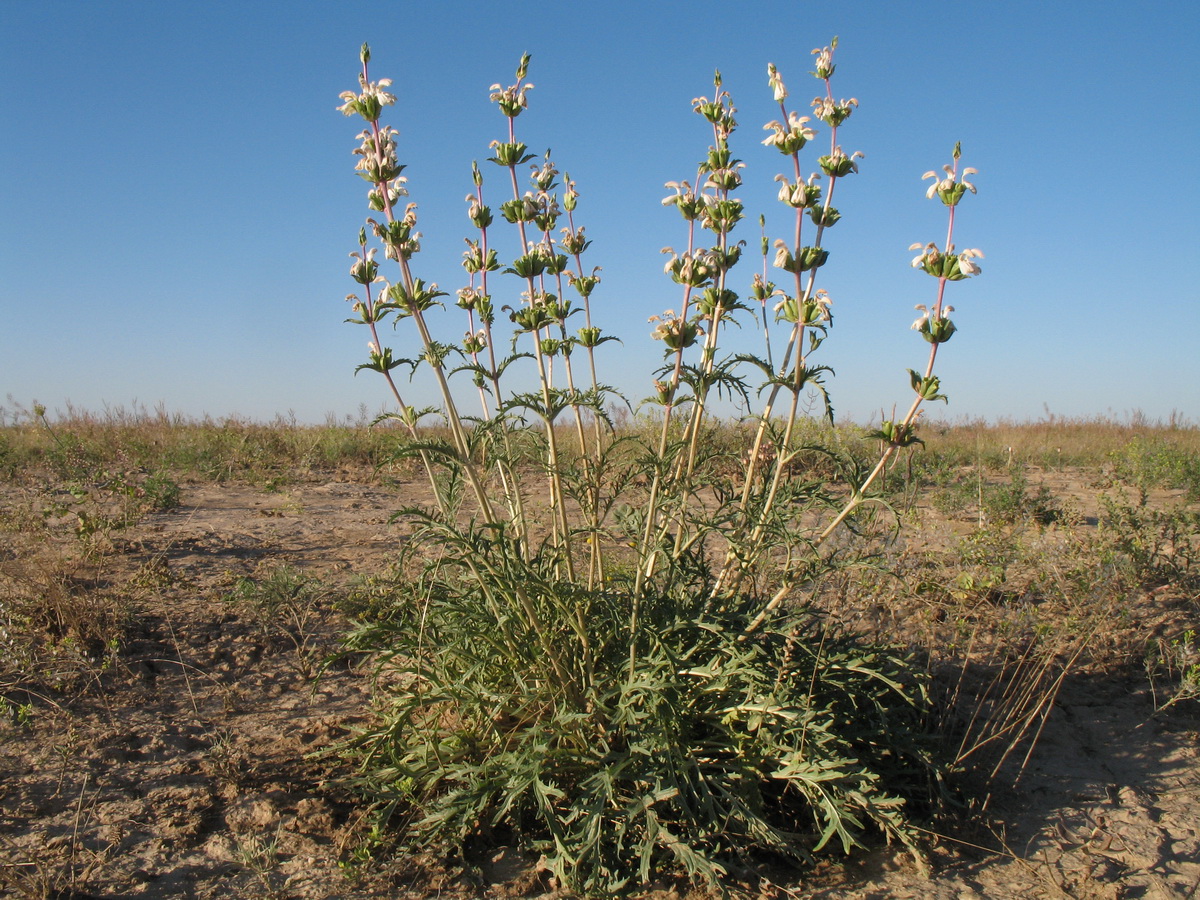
672	522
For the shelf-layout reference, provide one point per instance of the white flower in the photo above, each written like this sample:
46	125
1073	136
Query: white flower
793	195
370	89
683	191
675	331
966	261
928	252
362	264
824	57
821	298
837	159
468	297
919	324
512	97
782	255
826	108
937	182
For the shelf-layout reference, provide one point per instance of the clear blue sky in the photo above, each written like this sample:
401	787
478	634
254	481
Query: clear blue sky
179	200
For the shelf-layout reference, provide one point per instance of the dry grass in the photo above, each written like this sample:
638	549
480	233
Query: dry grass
253	451
1028	553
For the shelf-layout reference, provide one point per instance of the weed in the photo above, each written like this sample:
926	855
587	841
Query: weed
19	714
606	654
1174	666
260	856
363	852
720	745
161	491
1013	501
1157	545
57	628
1148	463
285	603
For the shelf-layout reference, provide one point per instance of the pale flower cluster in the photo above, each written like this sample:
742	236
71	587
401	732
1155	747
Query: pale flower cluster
475	341
825	108
371	90
825	66
468	297
376	152
838	158
544	175
684	198
817	307
674	330
512	97
795	129
930	258
801	194
924	317
947	183
363	268
474	208
691	267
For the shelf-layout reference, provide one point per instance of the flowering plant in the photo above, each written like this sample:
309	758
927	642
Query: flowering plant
598	651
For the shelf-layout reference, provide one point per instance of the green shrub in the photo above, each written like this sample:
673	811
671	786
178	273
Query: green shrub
1157	545
1148	463
161	491
1013	501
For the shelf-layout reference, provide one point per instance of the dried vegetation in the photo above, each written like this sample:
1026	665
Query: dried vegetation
171	592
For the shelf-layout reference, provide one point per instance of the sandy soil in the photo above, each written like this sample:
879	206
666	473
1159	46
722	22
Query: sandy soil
192	767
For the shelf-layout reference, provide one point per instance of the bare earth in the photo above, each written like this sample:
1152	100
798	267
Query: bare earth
192	766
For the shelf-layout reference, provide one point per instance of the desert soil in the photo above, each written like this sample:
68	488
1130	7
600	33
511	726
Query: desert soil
195	764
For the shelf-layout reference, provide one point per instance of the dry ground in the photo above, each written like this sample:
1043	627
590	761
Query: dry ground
187	762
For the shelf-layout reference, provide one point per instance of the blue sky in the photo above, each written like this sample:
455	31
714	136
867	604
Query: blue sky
179	198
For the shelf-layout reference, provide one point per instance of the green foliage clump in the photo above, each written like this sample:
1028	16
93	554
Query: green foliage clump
717	744
1015	501
1157	545
1148	463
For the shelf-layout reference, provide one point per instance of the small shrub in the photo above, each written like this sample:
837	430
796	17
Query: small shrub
58	627
1013	501
607	654
1145	464
161	491
1158	545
